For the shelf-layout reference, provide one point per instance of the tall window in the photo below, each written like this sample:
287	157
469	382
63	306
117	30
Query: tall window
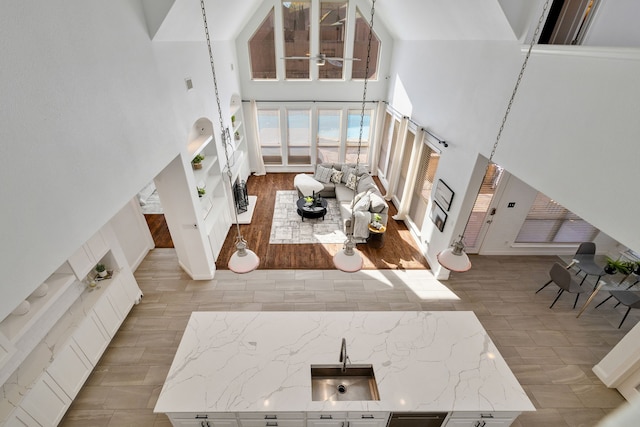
333	24
269	135
549	222
329	124
406	160
385	144
353	135
295	22
262	50
360	48
320	43
299	137
424	183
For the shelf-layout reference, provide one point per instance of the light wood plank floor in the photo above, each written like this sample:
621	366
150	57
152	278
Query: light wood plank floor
549	350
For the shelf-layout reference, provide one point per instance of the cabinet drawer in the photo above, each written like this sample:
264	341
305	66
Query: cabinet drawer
484	415
273	423
326	415
269	416
368	415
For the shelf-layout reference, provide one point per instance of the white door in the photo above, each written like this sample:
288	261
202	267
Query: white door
484	208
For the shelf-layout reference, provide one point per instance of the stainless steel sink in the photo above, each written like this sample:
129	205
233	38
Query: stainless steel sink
357	382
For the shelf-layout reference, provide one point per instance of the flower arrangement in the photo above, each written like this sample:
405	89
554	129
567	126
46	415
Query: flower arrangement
376	221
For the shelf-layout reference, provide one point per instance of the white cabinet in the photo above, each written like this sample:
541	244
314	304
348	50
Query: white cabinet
351	419
46	402
204	423
70	369
20	418
91	338
278	419
87	256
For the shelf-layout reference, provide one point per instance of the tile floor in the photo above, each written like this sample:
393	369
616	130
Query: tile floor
550	351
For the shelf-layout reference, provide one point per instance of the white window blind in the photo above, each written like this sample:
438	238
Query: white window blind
424	183
549	222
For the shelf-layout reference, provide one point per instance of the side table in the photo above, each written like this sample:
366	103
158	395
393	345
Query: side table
376	237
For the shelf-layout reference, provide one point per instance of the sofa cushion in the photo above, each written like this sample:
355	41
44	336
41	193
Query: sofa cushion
351	181
378	204
336	176
365	183
343	194
363	201
323	174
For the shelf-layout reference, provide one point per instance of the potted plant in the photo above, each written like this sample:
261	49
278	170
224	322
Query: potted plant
237	136
308	200
233	120
376	221
102	270
197	161
636	268
614	266
201	191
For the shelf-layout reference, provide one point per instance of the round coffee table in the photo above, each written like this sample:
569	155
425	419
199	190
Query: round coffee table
313	211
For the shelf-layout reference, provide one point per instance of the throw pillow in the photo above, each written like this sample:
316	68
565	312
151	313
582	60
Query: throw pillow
346	171
362	202
351	181
377	203
323	174
365	183
336	176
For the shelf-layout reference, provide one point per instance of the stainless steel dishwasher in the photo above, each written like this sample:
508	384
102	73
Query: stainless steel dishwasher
417	419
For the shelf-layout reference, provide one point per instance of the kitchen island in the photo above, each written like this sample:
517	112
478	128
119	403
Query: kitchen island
235	366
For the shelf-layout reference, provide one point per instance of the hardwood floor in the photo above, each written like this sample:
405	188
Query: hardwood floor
159	230
399	251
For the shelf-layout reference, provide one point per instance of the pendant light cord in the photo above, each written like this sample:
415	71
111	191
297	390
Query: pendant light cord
350	244
223	131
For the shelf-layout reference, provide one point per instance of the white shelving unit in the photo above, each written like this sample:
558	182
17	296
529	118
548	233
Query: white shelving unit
213	203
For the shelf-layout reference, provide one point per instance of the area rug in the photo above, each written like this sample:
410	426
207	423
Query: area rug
287	226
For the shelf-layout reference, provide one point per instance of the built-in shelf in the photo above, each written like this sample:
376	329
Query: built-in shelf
15	326
197	145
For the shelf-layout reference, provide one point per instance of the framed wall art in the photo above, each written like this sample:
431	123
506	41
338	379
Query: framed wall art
438	215
443	195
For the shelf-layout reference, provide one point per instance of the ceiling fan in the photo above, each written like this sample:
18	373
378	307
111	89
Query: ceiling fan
321	59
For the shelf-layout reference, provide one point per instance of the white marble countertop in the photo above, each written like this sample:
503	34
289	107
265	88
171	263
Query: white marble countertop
260	362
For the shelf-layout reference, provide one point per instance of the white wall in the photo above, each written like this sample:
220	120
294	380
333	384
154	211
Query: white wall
614	23
457	90
88	121
571	133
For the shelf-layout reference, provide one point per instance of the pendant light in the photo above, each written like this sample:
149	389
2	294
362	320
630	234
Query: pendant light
454	257
348	259
243	259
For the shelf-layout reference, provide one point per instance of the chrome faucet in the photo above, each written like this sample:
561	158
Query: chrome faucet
343	355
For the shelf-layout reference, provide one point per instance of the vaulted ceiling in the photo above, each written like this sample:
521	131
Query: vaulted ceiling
180	20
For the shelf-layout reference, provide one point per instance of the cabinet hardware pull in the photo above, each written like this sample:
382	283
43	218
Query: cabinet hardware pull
199	417
368	416
270	417
486	415
271	424
326	417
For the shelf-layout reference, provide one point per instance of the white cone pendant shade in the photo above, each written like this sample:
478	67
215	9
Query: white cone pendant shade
243	260
348	260
454	258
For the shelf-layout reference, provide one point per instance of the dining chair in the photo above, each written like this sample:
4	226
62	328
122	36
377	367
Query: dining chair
585	255
629	298
562	277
